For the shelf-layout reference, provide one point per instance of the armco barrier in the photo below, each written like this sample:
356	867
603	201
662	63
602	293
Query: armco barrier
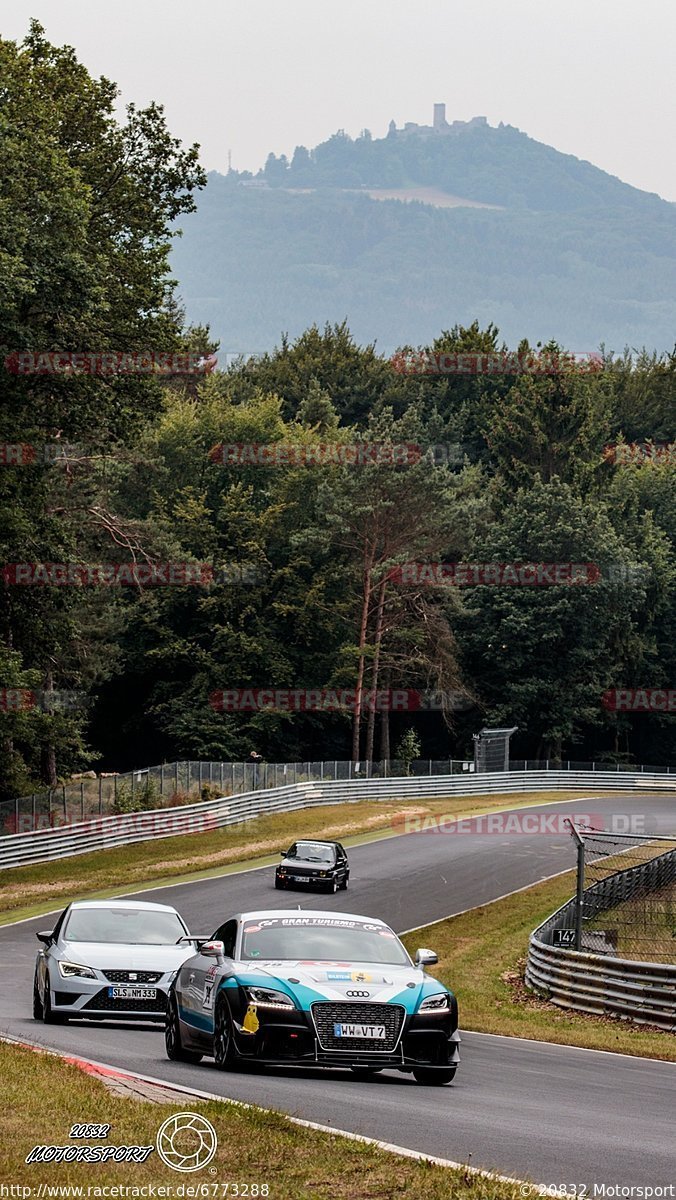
601	983
104	832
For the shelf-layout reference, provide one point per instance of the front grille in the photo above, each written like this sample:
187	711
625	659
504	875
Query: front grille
102	1002
390	1015
138	976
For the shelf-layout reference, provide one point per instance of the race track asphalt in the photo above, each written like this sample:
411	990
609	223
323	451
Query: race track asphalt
554	1114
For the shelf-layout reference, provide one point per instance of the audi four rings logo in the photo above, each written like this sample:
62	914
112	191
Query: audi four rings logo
358	994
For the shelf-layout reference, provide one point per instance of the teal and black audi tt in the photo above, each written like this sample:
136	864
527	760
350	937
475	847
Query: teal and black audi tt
317	989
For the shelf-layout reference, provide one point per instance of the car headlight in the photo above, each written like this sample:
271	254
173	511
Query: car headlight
439	1002
71	970
269	998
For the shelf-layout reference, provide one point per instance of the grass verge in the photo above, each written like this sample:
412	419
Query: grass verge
29	891
44	1096
482	956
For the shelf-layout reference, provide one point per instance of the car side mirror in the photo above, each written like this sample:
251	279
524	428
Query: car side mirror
46	937
282	854
213	949
425	958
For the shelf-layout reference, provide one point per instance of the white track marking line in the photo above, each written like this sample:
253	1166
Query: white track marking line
506	1037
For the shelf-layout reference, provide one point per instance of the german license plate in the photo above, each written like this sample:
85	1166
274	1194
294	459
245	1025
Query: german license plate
301	879
132	993
368	1032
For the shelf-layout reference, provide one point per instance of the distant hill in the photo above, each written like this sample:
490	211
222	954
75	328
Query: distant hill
432	225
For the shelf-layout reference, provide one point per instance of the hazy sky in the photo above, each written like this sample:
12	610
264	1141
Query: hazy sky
594	78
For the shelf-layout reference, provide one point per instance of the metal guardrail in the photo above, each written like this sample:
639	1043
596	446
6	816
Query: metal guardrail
91	795
102	832
644	992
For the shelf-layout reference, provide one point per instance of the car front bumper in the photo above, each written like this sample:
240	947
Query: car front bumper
427	1040
78	997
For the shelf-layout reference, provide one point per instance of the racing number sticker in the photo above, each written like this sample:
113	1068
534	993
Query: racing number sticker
209	981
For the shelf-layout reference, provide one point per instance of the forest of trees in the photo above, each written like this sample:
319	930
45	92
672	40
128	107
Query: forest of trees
302	589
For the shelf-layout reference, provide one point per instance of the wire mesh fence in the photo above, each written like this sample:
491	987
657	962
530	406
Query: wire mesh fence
173	784
626	895
176	783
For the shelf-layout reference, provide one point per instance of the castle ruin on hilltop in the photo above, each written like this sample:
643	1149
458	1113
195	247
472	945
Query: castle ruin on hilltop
439	126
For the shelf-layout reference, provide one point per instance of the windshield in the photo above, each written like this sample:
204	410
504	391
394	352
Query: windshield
312	852
130	926
322	939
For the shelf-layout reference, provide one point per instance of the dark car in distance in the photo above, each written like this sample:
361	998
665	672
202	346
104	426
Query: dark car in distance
321	865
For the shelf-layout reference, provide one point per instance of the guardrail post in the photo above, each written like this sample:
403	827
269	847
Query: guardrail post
175	778
82	799
33	826
16	815
579	897
100	795
161	779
